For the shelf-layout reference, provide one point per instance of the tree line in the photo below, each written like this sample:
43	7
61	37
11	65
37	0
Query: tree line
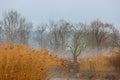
59	35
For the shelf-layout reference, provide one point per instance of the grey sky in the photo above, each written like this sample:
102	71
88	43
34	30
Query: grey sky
38	11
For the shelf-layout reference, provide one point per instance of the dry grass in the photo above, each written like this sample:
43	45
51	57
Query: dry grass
101	62
96	63
24	63
21	62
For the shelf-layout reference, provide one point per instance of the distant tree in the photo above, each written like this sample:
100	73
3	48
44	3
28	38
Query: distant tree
63	33
58	34
0	30
115	38
40	34
15	27
23	33
78	41
100	33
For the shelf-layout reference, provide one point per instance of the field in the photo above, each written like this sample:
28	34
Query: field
21	62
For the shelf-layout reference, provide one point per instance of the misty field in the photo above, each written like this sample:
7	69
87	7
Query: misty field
59	40
21	62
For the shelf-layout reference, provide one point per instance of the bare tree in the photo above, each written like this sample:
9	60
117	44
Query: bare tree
15	27
63	33
23	32
100	33
115	38
78	42
59	34
40	34
0	30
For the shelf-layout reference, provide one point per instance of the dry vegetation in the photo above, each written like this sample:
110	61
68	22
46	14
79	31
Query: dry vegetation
24	63
21	62
98	66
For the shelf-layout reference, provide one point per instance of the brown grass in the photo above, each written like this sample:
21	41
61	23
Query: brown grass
21	62
24	63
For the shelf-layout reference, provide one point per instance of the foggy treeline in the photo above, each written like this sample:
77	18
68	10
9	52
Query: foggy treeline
59	36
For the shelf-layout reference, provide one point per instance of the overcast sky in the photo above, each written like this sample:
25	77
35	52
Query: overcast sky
38	11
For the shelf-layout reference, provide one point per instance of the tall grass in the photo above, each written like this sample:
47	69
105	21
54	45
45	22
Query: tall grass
24	63
102	64
95	63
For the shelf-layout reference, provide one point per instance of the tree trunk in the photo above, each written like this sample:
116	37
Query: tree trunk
75	66
75	58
